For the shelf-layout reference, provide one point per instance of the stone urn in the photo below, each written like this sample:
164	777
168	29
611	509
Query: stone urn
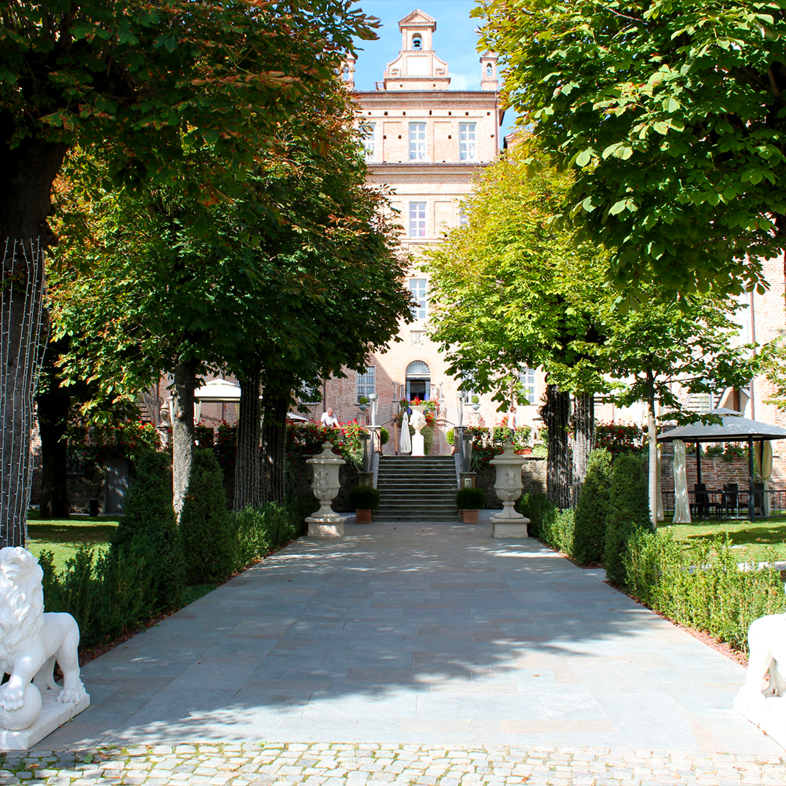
508	523
325	523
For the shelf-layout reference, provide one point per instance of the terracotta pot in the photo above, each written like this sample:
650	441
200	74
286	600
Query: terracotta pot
363	517
469	516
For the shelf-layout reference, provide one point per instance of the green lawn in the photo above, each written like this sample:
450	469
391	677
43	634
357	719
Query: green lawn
64	537
750	541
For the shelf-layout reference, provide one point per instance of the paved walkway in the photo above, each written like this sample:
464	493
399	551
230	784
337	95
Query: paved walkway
420	643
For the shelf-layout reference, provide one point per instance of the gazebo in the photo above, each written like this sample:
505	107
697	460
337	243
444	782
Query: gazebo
222	391
731	428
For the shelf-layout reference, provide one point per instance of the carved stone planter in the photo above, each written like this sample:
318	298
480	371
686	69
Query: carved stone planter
508	485
325	523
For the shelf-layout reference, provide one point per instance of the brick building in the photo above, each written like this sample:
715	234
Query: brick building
425	142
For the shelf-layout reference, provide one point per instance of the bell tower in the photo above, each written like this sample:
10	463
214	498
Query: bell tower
417	67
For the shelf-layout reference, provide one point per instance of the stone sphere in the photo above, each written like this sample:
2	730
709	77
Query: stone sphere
24	718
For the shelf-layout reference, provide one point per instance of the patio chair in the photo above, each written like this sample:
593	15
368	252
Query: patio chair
758	497
731	498
703	503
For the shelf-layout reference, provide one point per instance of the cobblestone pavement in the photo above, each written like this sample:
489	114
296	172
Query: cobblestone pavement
326	764
331	764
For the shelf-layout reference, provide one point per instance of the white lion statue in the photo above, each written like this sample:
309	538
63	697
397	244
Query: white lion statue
765	705
31	642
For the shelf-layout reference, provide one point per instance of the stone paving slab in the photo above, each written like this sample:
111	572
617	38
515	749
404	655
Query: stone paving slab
413	634
337	764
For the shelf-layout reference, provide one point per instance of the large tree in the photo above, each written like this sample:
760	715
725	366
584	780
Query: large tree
292	279
672	115
510	289
135	78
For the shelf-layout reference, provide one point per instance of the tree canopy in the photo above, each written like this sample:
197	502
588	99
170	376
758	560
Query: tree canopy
671	114
512	289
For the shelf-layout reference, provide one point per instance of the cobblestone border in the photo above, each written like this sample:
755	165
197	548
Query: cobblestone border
341	764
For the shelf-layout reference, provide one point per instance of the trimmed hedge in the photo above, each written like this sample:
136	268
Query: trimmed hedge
628	514
693	587
592	509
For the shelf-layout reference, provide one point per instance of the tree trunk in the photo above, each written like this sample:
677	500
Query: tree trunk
53	410
182	431
274	445
652	446
583	422
21	351
27	174
248	475
556	417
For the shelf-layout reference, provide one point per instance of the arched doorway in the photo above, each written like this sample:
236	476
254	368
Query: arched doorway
418	380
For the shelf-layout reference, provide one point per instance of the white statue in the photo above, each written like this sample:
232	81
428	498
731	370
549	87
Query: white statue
418	422
31	642
766	705
406	442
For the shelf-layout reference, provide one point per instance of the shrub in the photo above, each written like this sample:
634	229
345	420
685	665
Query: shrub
470	498
205	528
547	523
628	513
258	531
450	436
384	436
148	528
702	586
538	510
363	498
592	509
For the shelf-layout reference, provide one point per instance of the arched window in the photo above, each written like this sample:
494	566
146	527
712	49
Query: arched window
417	42
418	380
489	70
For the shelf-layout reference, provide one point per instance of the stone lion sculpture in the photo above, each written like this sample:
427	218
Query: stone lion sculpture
765	705
31	642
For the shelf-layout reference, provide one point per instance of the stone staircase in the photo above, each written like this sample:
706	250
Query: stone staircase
417	488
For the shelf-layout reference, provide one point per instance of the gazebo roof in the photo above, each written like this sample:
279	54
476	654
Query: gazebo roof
218	391
732	428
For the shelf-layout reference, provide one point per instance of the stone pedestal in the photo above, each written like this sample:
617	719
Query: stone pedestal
53	715
325	523
418	444
769	714
508	523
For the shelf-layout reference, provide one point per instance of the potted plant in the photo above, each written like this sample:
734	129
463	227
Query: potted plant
363	499
469	501
362	403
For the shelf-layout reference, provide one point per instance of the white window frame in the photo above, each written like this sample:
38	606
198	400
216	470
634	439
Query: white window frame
468	144
417	219
366	384
417	141
370	140
529	384
418	288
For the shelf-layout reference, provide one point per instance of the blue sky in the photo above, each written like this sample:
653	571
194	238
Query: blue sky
455	40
